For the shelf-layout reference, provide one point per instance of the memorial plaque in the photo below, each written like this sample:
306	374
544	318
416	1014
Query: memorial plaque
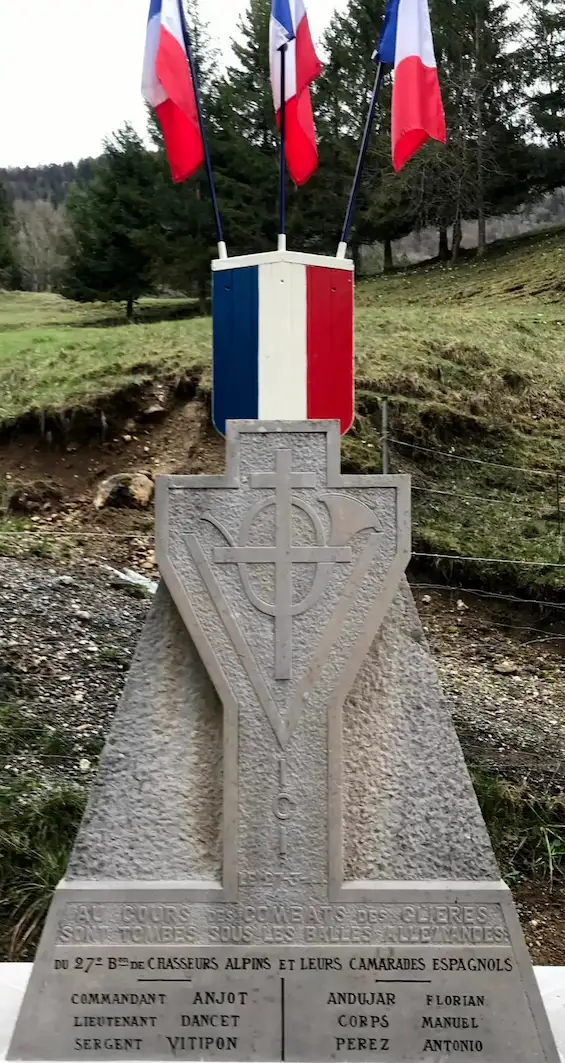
283	857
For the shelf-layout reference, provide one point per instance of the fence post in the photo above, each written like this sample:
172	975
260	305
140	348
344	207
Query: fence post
384	438
558	498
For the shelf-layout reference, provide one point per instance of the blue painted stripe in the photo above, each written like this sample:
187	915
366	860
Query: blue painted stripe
154	9
282	14
386	48
235	394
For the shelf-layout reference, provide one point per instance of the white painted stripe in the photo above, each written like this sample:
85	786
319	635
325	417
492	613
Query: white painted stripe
298	10
414	32
282	342
296	257
289	69
170	19
151	88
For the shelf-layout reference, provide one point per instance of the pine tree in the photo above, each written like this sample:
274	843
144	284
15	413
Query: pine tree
481	79
498	127
248	182
204	50
7	247
545	51
249	78
113	222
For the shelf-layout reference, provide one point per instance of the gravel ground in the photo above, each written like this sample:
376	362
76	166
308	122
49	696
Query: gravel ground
506	685
66	641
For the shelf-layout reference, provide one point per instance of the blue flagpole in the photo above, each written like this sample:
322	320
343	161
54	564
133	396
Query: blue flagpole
342	249
222	250
282	189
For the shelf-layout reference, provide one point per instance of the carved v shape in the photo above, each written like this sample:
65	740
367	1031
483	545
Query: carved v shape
284	729
238	639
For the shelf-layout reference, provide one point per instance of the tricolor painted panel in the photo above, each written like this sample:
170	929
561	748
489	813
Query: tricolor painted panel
283	339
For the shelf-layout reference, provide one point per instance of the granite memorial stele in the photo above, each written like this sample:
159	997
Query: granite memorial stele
283	857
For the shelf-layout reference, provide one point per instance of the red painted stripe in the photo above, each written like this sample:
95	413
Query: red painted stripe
330	345
178	116
417	109
308	66
183	142
301	147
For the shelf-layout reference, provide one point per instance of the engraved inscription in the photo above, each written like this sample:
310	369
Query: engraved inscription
283	806
313	924
296	1004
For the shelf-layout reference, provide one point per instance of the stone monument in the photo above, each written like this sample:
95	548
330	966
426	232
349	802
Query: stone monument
283	857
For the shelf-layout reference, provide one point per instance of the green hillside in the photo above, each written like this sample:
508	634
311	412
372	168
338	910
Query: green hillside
471	359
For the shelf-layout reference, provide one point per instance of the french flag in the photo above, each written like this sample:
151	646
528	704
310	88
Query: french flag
289	26
417	109
169	89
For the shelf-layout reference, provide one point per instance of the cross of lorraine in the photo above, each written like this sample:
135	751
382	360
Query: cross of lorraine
283	554
272	542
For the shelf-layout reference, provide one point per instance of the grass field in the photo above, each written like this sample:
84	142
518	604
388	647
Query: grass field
472	360
56	355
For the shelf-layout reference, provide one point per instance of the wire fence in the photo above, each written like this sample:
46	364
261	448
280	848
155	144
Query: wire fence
509	599
79	536
490	560
518	503
542	507
39	533
474	461
490	499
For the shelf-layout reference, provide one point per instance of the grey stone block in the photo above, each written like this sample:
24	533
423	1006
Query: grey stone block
410	808
283	857
156	806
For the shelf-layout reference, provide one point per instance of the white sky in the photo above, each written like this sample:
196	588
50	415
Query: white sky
69	79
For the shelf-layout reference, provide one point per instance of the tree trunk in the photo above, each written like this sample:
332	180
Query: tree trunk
443	253
551	84
356	256
202	297
481	227
388	264
481	219
129	308
457	237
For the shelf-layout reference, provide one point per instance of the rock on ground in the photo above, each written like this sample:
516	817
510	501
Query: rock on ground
126	490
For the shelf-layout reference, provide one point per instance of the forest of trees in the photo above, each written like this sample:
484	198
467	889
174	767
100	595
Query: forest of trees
51	182
116	227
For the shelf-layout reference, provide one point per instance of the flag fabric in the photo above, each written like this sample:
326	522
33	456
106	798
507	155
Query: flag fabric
289	26
169	89
417	110
289	316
